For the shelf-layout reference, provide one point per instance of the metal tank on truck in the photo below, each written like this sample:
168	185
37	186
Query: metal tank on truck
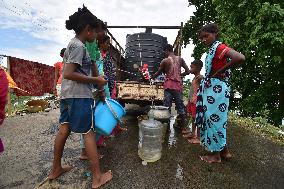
142	50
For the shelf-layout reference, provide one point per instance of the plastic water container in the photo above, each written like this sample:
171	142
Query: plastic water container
150	140
105	120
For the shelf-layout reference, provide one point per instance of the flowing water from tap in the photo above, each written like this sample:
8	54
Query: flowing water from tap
172	135
179	172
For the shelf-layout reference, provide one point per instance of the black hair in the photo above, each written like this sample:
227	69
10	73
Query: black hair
62	52
198	63
102	25
209	28
104	39
169	48
80	19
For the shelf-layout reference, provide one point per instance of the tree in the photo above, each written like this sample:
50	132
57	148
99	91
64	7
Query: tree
186	87
254	28
205	13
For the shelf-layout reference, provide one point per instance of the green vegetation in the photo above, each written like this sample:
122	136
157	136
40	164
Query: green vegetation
18	103
254	28
186	87
259	125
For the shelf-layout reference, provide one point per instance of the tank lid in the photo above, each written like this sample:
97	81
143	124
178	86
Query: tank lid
148	30
151	123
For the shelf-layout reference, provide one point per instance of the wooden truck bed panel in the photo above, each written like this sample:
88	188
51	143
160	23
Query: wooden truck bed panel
139	91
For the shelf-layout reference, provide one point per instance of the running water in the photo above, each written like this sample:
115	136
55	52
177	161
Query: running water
172	135
151	86
179	172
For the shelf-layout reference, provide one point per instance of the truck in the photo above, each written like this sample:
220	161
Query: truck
141	48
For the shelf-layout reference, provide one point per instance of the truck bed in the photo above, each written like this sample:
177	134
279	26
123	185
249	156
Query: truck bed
138	92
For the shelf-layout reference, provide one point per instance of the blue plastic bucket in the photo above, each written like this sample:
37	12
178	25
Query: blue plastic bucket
105	121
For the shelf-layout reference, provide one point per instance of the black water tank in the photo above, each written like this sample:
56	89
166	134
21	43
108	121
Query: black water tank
143	48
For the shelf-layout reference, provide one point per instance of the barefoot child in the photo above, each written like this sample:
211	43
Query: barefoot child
76	105
195	69
214	93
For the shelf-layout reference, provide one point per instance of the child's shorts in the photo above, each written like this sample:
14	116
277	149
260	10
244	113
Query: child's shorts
191	108
78	112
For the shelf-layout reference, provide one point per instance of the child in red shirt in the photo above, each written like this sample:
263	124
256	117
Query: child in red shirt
58	74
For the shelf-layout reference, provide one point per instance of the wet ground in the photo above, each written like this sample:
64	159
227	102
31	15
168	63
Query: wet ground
257	162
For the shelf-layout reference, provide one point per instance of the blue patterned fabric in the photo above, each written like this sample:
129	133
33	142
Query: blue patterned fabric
212	107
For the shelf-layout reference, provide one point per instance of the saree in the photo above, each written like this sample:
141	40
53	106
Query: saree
212	106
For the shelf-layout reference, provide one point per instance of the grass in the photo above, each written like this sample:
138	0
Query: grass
260	126
18	103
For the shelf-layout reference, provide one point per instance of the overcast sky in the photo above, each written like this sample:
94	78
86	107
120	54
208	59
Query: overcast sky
35	29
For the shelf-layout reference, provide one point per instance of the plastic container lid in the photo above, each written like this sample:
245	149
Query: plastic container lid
151	123
159	108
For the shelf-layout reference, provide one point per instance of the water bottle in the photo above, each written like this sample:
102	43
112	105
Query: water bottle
150	140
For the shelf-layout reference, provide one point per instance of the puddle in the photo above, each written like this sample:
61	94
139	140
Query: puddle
172	135
179	172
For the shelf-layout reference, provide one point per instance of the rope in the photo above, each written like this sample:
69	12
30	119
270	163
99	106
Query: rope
113	112
127	72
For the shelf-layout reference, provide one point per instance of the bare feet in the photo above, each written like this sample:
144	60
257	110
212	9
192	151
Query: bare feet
185	131
123	128
103	145
226	156
55	173
83	157
194	141
188	135
211	159
104	178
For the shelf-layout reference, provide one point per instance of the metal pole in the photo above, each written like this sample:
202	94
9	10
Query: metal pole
180	39
114	39
153	27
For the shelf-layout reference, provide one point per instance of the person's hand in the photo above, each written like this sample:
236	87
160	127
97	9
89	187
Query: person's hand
101	81
102	96
214	75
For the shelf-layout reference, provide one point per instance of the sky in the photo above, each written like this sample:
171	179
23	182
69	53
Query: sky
35	29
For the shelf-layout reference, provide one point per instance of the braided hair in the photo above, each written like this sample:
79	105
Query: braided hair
80	19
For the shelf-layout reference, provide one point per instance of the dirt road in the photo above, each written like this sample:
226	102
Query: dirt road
257	162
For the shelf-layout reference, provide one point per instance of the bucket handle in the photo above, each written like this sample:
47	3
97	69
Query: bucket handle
113	112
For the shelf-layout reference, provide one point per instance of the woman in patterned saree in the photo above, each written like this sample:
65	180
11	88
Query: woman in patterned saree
214	93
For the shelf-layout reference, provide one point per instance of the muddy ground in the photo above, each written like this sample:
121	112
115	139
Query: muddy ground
257	162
